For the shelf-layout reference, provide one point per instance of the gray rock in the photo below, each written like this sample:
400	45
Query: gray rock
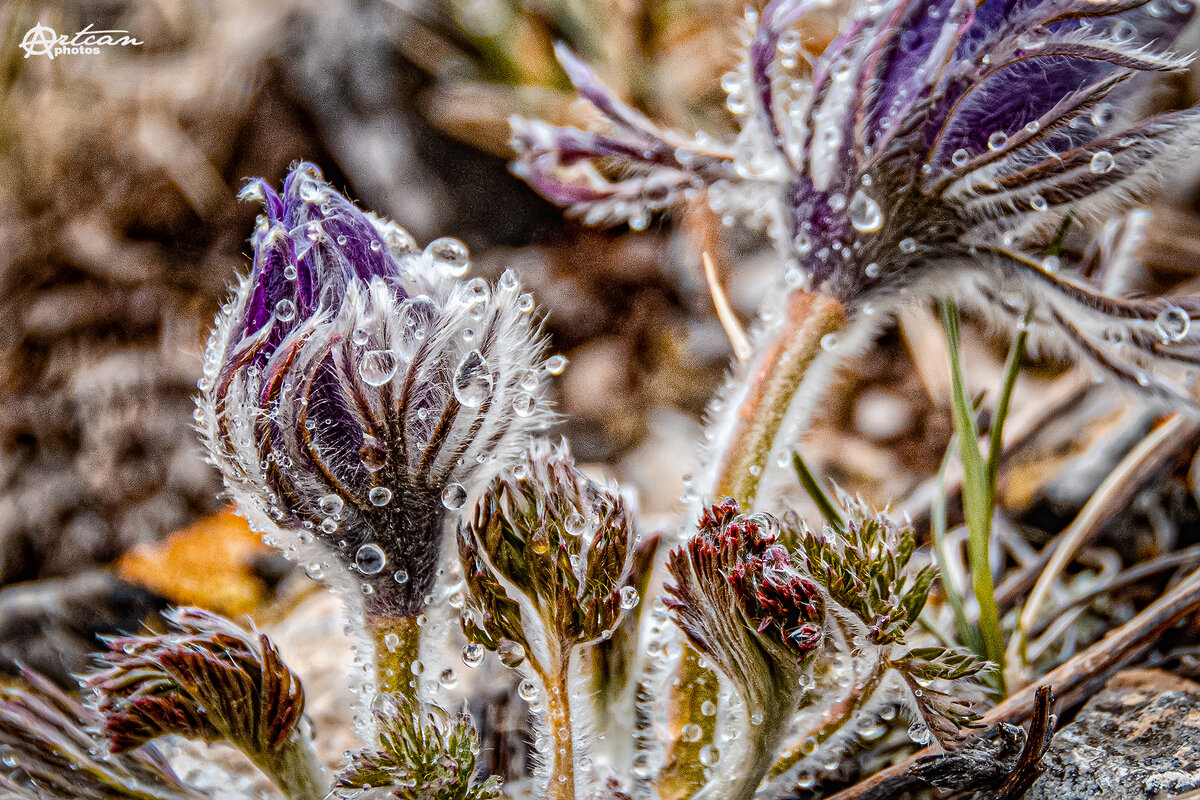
1138	738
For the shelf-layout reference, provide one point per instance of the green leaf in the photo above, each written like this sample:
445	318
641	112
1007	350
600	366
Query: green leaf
811	485
977	500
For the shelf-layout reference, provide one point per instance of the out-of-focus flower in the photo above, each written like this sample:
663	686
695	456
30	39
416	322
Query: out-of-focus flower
209	679
566	544
423	754
356	388
933	148
52	746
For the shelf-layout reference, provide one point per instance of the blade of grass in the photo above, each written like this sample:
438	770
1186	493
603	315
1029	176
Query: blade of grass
811	485
1012	366
966	634
977	505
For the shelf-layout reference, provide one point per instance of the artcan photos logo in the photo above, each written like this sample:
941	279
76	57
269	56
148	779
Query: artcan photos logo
42	40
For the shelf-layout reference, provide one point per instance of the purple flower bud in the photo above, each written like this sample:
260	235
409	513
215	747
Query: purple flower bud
356	388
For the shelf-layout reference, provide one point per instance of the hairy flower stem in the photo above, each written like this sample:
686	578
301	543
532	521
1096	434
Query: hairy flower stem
296	770
837	717
562	743
772	383
397	642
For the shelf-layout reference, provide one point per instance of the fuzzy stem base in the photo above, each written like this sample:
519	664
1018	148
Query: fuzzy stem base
773	381
296	770
397	642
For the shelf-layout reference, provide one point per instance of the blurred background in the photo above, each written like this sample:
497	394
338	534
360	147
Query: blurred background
120	231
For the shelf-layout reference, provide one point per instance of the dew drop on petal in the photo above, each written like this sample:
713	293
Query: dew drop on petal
1103	162
314	570
528	691
708	708
370	559
331	505
865	214
380	496
1172	324
285	310
378	367
450	255
472	380
960	157
629	597
454	496
709	755
448	679
997	140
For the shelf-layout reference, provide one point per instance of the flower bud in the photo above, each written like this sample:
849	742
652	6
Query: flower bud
356	387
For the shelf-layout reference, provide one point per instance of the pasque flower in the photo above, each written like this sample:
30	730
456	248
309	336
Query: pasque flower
934	147
357	387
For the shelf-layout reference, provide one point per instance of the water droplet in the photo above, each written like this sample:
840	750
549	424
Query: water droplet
1103	114
380	496
370	559
472	380
1038	203
708	708
574	524
872	270
919	733
865	214
311	192
709	755
960	157
629	597
454	496
525	303
400	576
1033	127
314	570
472	655
829	342
1051	263
524	404
417	667
285	310
449	255
448	679
556	364
691	732
378	367
1103	162
329	525
360	336
391	641
331	505
511	653
908	245
997	140
528	691
1172	324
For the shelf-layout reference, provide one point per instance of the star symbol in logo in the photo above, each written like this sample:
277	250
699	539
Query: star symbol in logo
39	41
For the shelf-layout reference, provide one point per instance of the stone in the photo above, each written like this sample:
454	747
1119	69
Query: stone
1138	738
